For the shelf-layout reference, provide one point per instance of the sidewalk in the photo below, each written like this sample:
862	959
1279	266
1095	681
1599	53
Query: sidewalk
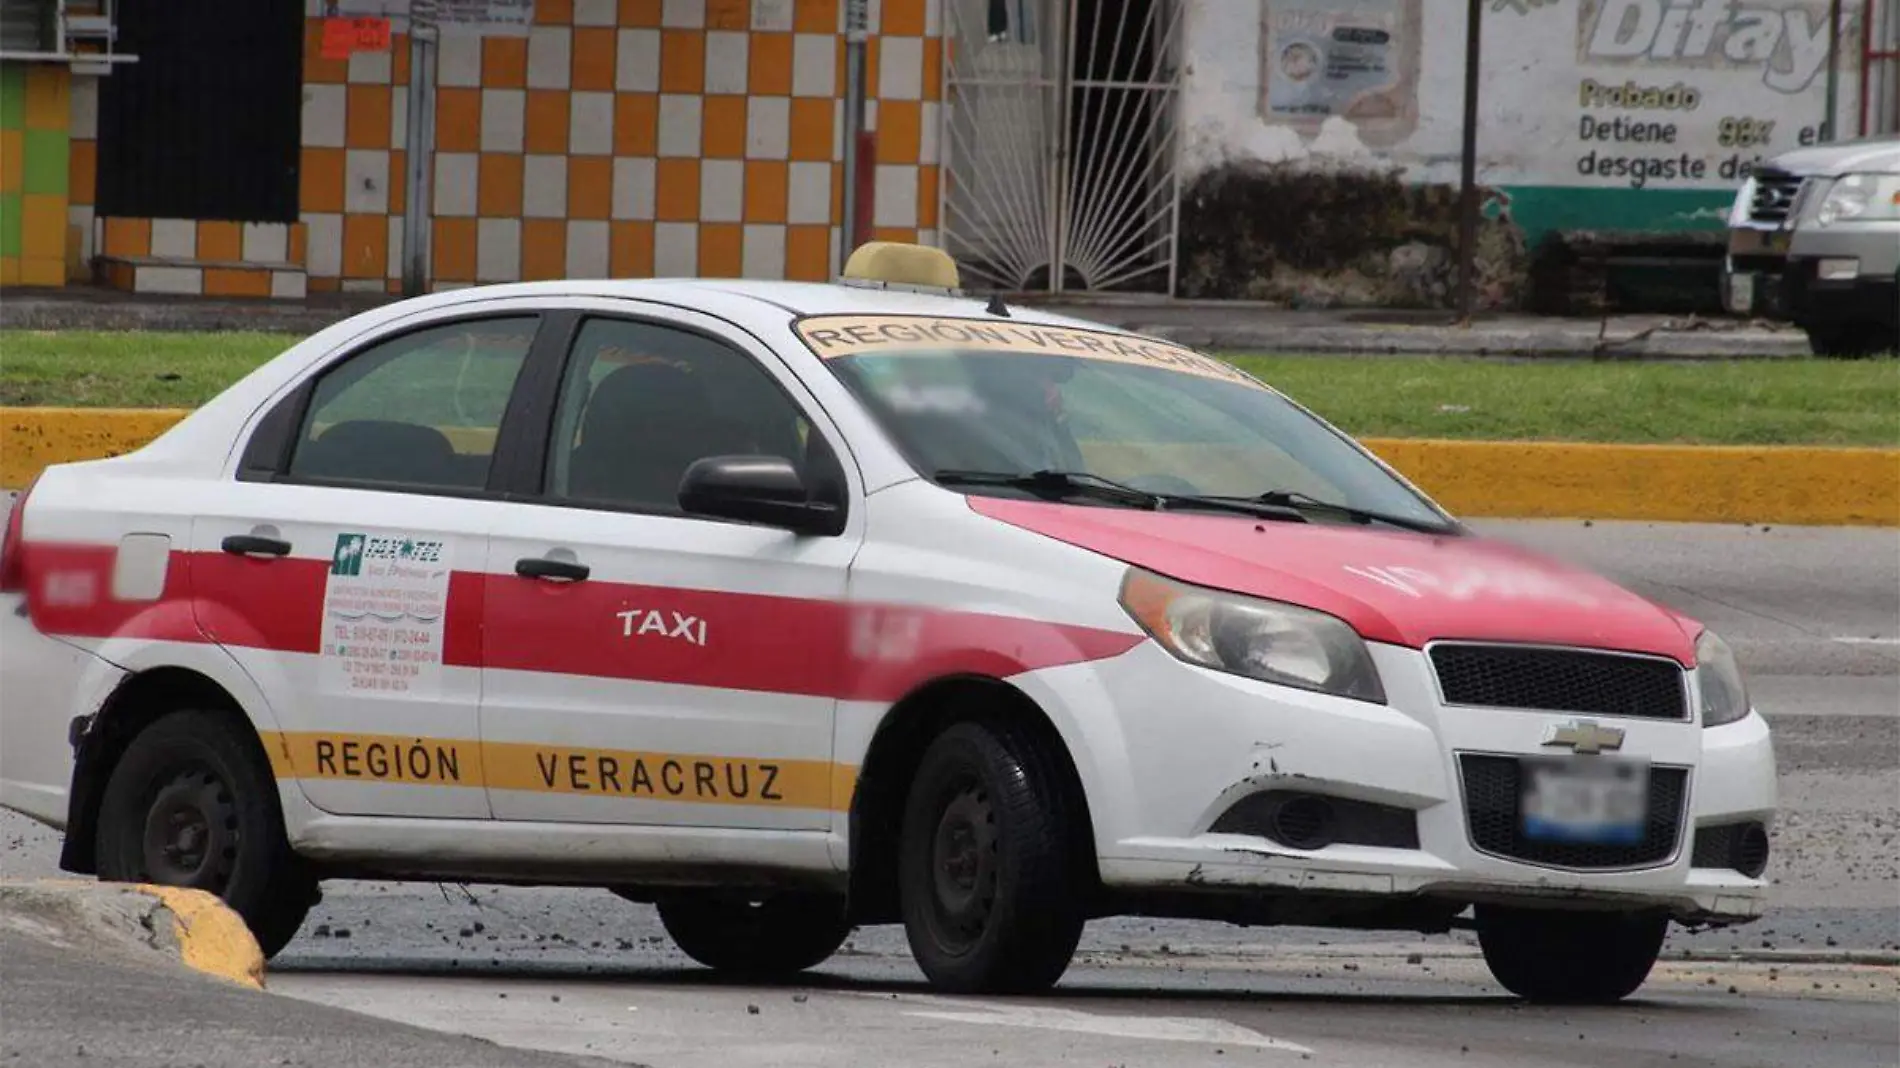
1217	326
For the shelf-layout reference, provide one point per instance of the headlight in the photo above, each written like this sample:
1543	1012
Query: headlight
1724	694
1265	640
1867	197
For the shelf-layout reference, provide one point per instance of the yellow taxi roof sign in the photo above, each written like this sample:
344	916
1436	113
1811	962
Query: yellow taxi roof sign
898	263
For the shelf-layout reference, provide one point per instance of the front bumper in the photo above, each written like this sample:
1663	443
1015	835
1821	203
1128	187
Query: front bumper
1842	274
1193	743
1822	291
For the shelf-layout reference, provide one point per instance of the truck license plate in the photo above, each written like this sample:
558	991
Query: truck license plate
1590	799
1744	242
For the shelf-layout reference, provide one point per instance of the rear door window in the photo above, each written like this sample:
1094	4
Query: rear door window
419	411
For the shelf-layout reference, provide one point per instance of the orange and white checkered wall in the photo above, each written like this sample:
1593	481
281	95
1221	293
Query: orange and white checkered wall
618	138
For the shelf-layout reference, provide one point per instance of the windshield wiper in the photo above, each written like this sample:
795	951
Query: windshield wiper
1054	484
1283	505
1306	502
1082	483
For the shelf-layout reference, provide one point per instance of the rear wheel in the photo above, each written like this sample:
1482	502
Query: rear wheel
988	871
192	804
766	938
1570	958
1851	340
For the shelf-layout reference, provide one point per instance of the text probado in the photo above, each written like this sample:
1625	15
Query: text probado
1632	97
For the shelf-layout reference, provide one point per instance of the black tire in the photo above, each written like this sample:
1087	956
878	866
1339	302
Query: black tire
1570	958
989	871
193	803
1851	340
767	938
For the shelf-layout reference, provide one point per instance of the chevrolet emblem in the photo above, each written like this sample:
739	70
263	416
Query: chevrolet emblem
1585	736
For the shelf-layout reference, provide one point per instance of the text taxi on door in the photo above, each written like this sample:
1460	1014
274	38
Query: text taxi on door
792	608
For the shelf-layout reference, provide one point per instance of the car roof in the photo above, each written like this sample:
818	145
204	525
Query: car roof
794	299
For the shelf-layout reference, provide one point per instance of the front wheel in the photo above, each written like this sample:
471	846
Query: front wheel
988	871
192	803
1570	958
768	938
1850	340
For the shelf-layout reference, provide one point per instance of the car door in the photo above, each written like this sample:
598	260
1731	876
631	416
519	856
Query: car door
644	666
342	566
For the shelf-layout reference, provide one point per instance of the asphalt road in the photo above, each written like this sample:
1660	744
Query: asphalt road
1813	614
61	1008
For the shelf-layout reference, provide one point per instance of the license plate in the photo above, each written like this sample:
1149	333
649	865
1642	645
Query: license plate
1589	799
1744	242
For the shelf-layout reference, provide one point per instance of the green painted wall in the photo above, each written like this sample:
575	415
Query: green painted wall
1542	209
35	165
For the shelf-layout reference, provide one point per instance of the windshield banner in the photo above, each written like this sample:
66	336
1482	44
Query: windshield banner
836	336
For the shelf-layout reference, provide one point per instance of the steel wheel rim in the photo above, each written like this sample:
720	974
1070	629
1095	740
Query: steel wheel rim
190	836
963	866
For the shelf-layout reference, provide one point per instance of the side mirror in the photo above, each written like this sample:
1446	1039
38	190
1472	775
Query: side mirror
756	489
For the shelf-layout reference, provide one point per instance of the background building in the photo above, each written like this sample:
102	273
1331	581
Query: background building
258	147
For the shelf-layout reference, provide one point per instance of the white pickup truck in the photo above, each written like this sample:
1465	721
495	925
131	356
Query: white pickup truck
1814	237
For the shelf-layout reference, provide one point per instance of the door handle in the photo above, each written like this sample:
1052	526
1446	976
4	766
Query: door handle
255	545
540	567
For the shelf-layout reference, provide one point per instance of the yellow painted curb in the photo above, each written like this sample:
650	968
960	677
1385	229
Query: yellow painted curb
34	438
1479	479
1667	483
206	934
211	938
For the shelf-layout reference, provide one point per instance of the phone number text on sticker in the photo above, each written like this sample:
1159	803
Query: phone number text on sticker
838	336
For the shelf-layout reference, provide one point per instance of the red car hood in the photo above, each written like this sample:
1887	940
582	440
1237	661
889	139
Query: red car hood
1397	587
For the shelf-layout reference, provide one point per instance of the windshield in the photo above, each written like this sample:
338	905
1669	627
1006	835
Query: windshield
967	396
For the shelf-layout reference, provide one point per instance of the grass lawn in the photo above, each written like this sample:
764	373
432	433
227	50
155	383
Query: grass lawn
1747	402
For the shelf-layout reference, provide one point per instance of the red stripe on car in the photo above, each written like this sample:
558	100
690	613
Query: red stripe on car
735	641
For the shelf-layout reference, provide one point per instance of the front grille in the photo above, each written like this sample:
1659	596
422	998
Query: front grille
1560	680
1492	809
1774	197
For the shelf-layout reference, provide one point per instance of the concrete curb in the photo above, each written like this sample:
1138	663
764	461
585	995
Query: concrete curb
1522	336
1791	485
136	922
184	314
1479	479
1352	951
1482	341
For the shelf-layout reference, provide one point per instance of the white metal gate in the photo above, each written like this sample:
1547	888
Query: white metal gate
1060	142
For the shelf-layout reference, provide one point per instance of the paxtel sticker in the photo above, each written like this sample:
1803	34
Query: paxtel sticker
383	615
836	336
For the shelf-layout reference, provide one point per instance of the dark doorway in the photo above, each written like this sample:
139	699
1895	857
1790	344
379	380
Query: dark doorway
1120	157
208	123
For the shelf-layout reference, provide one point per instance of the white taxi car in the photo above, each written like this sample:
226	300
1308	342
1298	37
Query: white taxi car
792	608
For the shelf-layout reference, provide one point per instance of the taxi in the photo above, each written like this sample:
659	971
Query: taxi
790	608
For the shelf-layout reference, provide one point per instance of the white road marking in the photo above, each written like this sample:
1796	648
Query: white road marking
1869	641
1153	1028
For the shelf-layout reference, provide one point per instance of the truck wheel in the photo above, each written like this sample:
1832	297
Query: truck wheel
770	938
1573	958
987	868
191	803
1850	340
